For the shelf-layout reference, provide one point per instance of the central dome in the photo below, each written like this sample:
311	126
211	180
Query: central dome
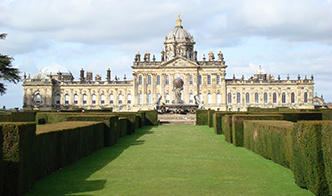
178	33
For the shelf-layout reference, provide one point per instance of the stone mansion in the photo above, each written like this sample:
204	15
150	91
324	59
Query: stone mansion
54	86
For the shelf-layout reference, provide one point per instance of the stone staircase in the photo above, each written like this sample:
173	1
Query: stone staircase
177	119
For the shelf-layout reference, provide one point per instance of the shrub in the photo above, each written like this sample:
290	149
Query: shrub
308	157
151	117
5	118
296	116
27	116
202	117
131	116
123	126
210	117
327	114
237	125
18	155
110	125
327	152
227	127
53	117
64	143
1	161
217	120
257	109
270	139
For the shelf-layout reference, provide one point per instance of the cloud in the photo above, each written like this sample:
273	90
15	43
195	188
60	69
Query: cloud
283	36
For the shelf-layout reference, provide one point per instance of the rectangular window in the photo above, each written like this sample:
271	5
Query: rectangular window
218	79
191	80
209	80
199	80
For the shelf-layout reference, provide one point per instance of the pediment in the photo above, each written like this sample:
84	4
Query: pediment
179	62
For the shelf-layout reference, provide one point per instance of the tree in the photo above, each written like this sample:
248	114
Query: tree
7	72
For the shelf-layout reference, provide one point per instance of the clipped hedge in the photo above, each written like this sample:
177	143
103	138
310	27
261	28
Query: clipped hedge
210	117
327	152
227	128
308	157
5	118
53	117
297	116
122	126
1	161
217	119
65	143
110	125
131	116
327	114
26	116
270	139
151	117
257	109
19	157
237	125
202	117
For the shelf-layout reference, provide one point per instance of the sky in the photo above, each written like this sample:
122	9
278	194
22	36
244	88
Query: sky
284	36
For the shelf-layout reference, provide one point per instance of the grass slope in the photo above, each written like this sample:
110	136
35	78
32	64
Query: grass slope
171	160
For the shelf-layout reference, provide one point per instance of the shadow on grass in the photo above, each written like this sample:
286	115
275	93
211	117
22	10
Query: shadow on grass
73	179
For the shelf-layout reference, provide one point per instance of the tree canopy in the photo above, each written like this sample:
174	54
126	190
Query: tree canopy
7	72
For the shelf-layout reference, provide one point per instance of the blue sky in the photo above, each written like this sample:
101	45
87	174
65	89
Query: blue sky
284	36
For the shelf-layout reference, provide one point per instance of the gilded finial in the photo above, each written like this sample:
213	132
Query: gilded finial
178	22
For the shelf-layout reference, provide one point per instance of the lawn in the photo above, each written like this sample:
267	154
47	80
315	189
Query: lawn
171	160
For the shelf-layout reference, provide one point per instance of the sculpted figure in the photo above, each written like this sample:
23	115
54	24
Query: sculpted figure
177	88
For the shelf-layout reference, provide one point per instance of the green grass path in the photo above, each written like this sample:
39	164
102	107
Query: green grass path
171	160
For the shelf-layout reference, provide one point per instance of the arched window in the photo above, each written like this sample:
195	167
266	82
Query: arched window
208	79
199	80
191	80
120	99
75	99
149	98
93	98
140	80
293	97
265	98
191	98
274	97
229	100
57	99
238	98
305	97
256	98
149	79
38	99
66	99
140	98
283	97
218	98
167	98
129	99
218	79
239	109
111	98
158	79
167	79
209	98
247	98
85	99
102	99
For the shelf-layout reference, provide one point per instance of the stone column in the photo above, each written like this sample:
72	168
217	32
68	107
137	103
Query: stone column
223	91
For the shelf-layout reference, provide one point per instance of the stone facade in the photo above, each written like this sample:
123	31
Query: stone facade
152	79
